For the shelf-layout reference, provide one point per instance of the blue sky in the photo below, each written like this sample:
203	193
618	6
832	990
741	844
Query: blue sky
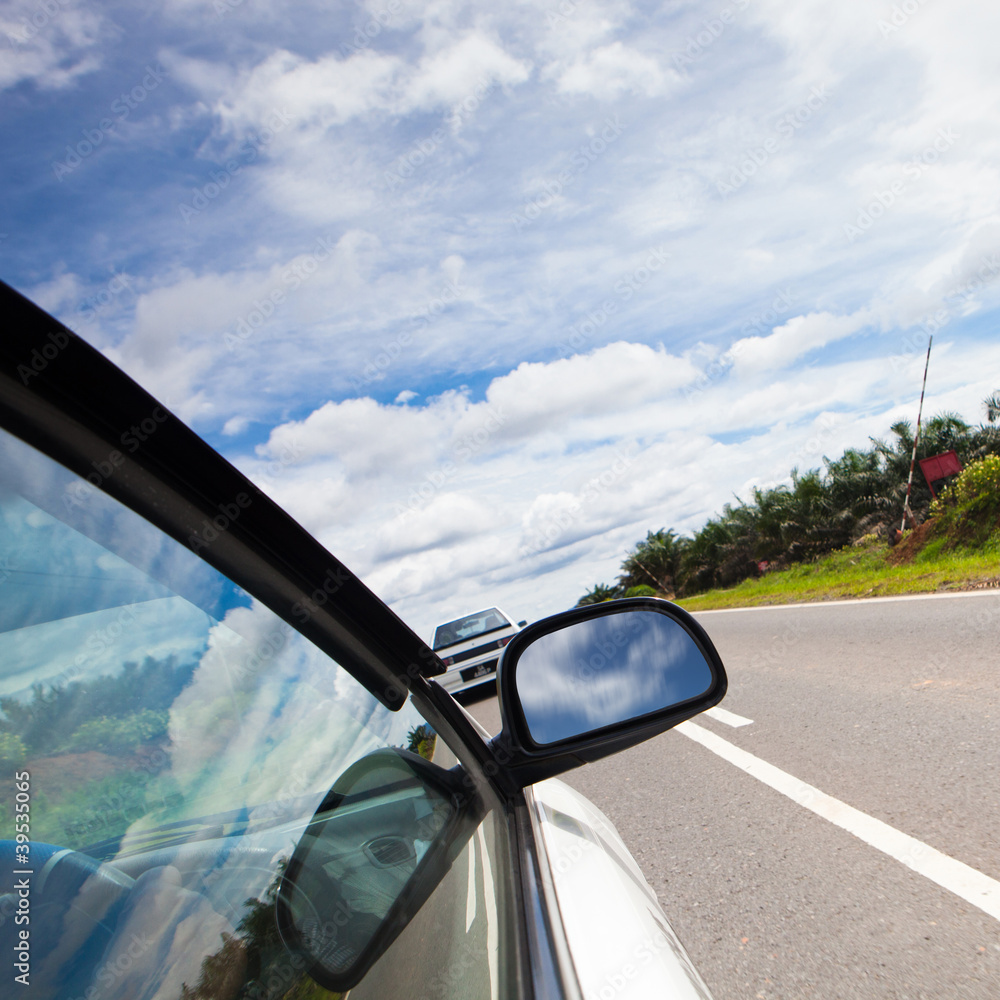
482	295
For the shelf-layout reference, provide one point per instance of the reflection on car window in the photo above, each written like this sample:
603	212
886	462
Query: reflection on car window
169	731
469	627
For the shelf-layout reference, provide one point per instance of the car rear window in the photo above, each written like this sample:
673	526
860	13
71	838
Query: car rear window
469	627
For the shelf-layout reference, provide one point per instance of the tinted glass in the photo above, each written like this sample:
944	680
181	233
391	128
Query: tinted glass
469	627
176	737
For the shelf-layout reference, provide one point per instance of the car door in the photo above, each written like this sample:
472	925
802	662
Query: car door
186	678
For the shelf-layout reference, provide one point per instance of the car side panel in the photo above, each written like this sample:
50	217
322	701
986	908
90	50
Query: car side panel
621	943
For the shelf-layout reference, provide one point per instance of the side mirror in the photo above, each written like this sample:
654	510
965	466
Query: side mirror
377	847
595	680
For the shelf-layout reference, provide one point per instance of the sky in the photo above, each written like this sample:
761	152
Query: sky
483	293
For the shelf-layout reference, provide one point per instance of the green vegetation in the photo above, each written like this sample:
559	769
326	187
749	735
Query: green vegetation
800	541
868	569
118	734
95	751
969	511
115	712
422	740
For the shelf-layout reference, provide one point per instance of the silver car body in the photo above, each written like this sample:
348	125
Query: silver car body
632	952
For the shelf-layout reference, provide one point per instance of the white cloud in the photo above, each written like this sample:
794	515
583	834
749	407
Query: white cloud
614	70
334	89
50	44
792	340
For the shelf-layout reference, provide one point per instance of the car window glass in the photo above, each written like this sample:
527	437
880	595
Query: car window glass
164	740
469	627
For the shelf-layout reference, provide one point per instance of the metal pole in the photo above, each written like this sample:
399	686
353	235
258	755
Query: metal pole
916	438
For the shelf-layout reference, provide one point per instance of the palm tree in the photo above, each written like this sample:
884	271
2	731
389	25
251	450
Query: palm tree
598	593
656	560
992	405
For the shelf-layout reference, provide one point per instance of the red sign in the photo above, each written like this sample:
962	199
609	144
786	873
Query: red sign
938	468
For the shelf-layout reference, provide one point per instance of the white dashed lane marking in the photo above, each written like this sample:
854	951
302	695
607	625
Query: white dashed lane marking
729	718
973	886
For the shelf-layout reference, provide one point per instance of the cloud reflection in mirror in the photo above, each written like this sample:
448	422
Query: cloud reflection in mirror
603	671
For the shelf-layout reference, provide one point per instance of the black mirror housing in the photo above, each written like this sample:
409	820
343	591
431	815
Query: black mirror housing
592	681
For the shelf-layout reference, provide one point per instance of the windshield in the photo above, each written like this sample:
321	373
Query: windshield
469	627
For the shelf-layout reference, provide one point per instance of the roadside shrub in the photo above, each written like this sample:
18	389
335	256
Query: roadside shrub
969	510
642	590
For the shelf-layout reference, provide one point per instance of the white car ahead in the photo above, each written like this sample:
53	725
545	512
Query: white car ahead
470	647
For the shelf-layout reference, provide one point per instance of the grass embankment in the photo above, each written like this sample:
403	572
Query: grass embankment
921	564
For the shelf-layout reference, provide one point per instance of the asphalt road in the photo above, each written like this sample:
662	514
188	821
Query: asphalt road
892	707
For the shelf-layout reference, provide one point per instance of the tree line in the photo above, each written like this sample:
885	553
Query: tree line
860	493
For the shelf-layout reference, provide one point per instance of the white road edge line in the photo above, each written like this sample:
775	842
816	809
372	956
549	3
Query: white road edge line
993	592
971	885
729	718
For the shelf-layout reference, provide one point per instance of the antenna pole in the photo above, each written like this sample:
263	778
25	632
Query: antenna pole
916	438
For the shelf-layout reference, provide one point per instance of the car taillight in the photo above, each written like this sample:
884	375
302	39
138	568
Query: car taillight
448	660
504	641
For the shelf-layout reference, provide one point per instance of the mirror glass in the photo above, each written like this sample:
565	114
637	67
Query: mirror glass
602	671
370	857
